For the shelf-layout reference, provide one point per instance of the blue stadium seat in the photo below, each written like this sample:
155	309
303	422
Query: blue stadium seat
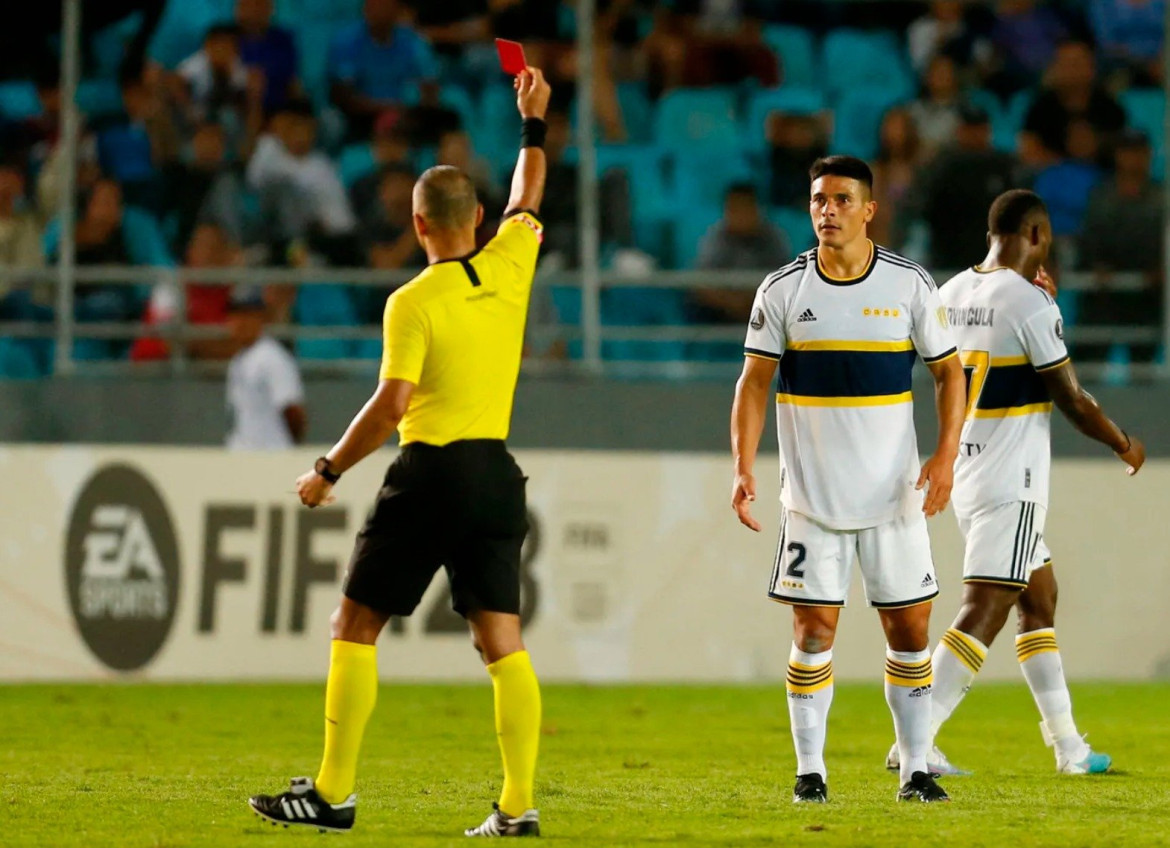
17	361
854	57
19	100
797	49
1145	110
637	111
1003	126
324	305
625	307
858	119
313	40
1013	119
689	118
99	98
701	179
180	32
690	226
454	97
788	99
796	224
495	134
355	162
291	12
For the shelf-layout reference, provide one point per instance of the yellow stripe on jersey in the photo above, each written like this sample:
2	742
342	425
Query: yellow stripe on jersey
1004	361
843	344
457	332
1013	411
862	400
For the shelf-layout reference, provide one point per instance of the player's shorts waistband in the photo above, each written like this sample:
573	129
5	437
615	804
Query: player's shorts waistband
460	446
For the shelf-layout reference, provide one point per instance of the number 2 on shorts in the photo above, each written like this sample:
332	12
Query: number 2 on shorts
794	567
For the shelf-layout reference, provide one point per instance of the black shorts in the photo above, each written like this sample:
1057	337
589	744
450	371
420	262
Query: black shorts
460	506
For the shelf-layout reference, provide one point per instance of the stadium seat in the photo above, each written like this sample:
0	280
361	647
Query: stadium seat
17	361
355	162
19	100
454	97
788	99
637	111
701	180
295	11
1003	126
854	57
323	306
690	226
689	118
627	307
1145	110
1012	117
797	49
313	41
858	119
796	224
495	134
99	98
180	32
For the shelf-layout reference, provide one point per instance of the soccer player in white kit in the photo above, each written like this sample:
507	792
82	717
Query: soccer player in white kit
844	324
1011	340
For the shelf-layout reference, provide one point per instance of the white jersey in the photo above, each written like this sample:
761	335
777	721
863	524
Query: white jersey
262	382
1007	330
844	409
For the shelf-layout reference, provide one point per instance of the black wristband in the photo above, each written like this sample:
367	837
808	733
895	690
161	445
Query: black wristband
532	132
324	468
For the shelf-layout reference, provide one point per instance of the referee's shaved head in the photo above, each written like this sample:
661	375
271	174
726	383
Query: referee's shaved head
445	198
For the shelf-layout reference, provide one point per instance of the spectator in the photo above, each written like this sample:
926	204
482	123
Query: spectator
460	31
134	151
268	49
710	42
970	170
43	157
558	210
943	31
899	159
265	396
301	194
455	149
794	143
389	233
1122	232
1130	34
425	121
207	303
1067	183
20	247
214	80
206	189
1071	92
1025	36
374	63
391	149
936	111
744	240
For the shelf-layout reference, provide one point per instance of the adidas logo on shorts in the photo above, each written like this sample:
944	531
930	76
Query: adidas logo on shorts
807	315
928	580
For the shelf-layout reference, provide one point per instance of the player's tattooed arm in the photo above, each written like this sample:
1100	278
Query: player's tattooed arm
1082	409
749	411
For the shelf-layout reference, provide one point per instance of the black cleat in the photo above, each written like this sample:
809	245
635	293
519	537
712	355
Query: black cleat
301	805
810	789
921	787
500	824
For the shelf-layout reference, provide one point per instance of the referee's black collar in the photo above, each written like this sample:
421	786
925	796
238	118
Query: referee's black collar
467	257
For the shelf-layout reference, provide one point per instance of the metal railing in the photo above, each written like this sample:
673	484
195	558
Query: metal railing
177	331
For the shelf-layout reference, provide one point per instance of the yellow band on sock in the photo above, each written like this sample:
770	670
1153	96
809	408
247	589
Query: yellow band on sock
517	700
1036	642
969	652
909	674
806	679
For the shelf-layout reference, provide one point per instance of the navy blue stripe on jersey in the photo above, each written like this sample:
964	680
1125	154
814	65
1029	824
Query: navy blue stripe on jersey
902	262
755	351
930	360
1054	364
845	373
1012	385
796	265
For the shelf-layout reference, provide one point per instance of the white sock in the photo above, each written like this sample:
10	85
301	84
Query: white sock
810	693
1040	662
956	661
908	682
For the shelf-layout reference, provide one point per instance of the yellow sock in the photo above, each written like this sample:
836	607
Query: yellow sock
517	696
349	700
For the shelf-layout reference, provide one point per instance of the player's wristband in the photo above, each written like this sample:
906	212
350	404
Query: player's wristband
532	132
324	469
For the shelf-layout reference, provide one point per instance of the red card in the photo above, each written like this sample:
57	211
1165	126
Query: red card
511	56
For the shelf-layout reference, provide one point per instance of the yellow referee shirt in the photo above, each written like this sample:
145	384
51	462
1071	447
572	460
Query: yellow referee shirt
457	332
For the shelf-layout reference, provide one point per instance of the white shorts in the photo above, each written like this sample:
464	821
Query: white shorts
1005	544
814	564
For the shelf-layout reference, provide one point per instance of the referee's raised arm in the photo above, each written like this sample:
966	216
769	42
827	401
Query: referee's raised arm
532	93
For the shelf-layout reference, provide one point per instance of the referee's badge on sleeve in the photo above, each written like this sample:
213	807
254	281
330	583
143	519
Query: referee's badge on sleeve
532	224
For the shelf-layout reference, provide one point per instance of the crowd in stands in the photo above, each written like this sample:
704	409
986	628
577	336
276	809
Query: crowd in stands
288	133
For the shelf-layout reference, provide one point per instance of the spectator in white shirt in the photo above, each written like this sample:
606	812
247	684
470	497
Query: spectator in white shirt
265	397
301	193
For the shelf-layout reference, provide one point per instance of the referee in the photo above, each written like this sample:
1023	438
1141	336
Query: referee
454	497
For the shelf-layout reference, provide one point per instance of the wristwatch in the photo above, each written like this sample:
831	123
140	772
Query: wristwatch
324	468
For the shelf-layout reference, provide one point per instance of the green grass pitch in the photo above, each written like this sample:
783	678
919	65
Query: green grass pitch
168	766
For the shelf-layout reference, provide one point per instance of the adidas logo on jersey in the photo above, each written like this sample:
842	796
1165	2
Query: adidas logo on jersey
807	315
928	580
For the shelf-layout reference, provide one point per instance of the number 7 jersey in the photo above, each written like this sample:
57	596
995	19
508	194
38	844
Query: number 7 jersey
1008	331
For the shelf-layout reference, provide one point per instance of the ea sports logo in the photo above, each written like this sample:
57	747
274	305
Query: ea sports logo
122	567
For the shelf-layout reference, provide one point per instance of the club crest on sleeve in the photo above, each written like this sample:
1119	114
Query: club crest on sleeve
758	319
1059	328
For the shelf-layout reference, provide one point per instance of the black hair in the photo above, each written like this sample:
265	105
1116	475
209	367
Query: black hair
214	30
396	169
741	189
299	106
842	166
1012	209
